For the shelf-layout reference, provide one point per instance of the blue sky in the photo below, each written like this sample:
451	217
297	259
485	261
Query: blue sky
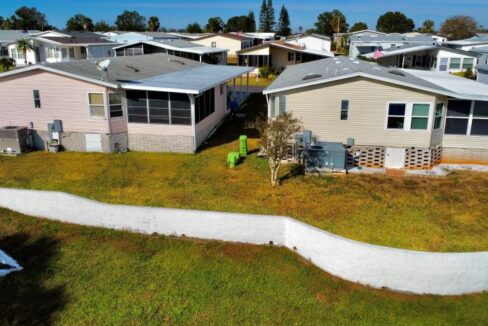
178	13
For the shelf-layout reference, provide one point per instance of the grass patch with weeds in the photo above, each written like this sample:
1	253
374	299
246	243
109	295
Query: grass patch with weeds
84	276
440	214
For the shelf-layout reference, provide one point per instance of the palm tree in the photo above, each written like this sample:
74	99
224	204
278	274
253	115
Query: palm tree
153	24
6	64
25	45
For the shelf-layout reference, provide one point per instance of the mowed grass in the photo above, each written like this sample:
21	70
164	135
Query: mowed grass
437	214
76	275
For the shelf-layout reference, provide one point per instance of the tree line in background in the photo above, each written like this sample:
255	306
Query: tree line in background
328	23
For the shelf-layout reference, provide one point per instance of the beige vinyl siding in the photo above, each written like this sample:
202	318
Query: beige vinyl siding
260	51
223	42
319	108
461	141
279	58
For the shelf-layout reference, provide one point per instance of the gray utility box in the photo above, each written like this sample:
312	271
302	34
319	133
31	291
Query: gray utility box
14	140
326	156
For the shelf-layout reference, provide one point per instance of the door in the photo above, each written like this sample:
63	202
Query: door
93	142
394	158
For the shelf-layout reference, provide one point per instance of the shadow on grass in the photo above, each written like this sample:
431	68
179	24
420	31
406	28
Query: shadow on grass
233	127
24	298
294	171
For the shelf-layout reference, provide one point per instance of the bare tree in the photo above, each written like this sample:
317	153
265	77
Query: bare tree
275	137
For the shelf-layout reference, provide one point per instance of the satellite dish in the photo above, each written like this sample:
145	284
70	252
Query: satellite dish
103	67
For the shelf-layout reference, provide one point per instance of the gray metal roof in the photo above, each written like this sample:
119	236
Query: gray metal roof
158	72
327	70
177	45
7	36
127	68
387	38
414	47
194	80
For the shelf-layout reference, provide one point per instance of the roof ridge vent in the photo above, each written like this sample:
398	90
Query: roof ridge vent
397	72
311	75
176	61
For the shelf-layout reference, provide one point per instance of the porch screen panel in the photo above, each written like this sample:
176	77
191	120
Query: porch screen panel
180	109
158	107
205	105
137	106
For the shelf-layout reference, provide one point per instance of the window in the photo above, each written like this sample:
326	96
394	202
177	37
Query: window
468	63
97	107
214	44
291	56
457	118
115	104
37	99
344	109
72	53
479	125
418	60
204	105
137	106
298	57
16	54
443	64
51	53
158	107
64	53
282	104
222	89
438	115
420	117
455	63
396	115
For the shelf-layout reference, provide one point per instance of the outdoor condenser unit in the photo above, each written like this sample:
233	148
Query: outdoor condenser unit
326	156
14	140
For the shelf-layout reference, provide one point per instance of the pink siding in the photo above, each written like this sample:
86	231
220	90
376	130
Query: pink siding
62	98
204	127
118	124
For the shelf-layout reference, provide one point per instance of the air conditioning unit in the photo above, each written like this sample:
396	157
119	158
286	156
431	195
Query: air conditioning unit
14	140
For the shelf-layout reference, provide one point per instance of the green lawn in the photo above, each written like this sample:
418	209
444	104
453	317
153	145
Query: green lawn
440	214
252	82
77	275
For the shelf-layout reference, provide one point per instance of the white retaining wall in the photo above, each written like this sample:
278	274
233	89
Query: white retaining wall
376	266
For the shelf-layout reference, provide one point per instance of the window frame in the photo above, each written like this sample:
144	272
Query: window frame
441	116
344	110
291	56
470	118
388	115
473	117
111	105
37	99
407	123
104	105
463	64
459	65
419	117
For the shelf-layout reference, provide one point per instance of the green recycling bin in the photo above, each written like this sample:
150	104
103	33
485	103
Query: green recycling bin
243	145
